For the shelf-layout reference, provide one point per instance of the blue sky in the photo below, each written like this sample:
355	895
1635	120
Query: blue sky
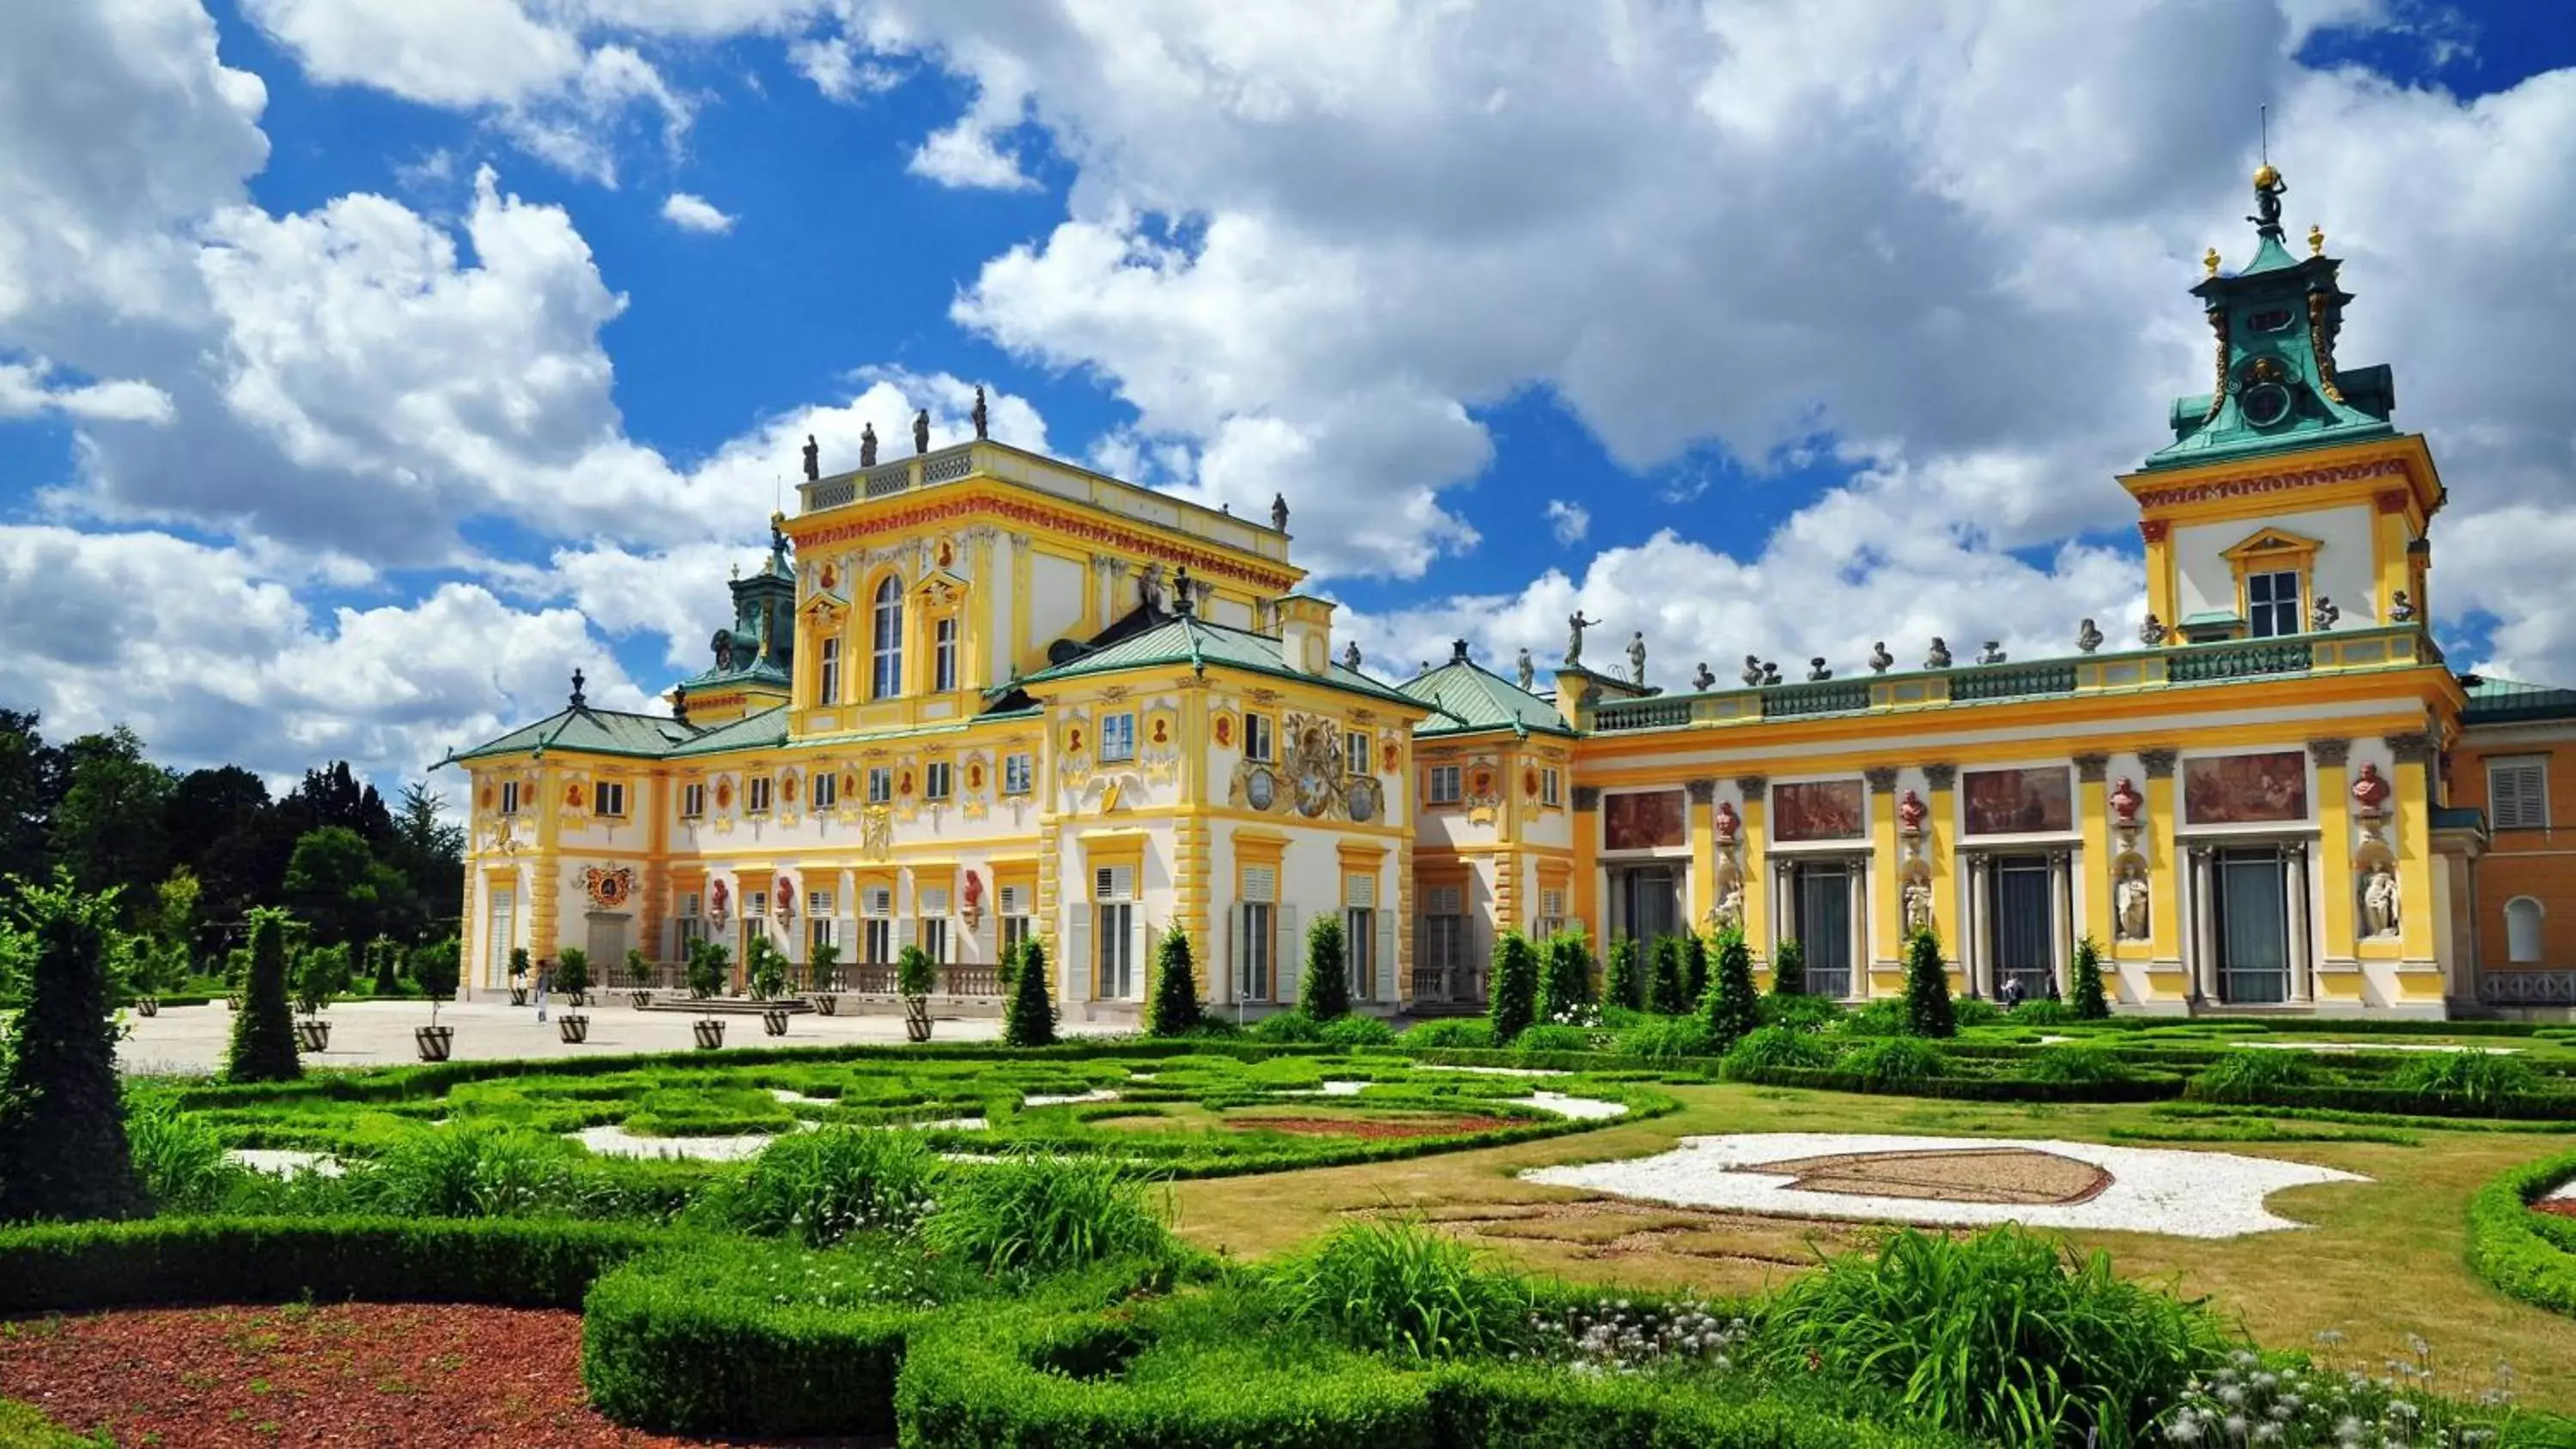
359	376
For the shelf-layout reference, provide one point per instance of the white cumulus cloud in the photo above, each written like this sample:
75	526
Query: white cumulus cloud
694	213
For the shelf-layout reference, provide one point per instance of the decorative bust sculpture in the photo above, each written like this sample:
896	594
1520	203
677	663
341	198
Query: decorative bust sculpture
1939	658
1752	671
1770	672
1701	678
2323	616
2371	791
2132	904
1993	654
2087	638
1728	822
1910	813
2152	632
1880	661
2125	801
2401	609
1817	673
2379	900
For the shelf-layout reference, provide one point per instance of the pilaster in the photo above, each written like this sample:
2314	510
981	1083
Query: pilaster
2410	838
544	874
1587	866
2338	954
1756	793
1886	924
2167	911
1703	843
2093	822
1939	825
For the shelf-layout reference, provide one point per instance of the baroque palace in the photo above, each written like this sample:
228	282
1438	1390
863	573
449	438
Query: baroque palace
980	695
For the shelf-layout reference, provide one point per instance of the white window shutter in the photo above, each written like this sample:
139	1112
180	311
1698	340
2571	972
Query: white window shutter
1234	936
1386	956
1286	966
1075	964
1145	941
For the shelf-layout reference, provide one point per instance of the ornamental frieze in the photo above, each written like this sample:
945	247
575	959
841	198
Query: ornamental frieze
1126	541
2271	483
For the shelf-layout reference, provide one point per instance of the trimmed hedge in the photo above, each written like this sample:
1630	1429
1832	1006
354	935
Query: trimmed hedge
518	1263
2350	1097
2524	1253
24	1426
1967	1089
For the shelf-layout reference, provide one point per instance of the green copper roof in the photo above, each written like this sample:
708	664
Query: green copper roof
2505	701
593	731
1188	639
1470	697
764	730
2277	386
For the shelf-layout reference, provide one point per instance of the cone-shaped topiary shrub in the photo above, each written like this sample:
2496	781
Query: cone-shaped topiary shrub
1664	987
1174	1007
1626	984
1515	999
1927	988
1789	970
1032	1019
1731	1006
264	1029
63	1149
1326	992
1694	970
2090	1003
1565	982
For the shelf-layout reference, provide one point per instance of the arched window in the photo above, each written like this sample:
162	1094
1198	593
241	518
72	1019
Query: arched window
885	652
2522	930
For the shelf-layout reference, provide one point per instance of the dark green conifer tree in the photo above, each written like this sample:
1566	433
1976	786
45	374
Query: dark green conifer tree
1927	988
1032	1019
1626	985
1730	1005
1326	991
1514	1002
1174	1006
63	1150
264	1028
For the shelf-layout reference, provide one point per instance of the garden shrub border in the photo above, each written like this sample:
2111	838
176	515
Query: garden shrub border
2141	1088
2523	1253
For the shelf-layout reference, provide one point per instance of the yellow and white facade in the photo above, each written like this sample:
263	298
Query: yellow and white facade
995	695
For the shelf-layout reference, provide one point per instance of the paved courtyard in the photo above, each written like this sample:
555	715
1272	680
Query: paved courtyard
193	1039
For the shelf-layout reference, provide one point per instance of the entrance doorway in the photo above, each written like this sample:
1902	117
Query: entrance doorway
2023	925
2253	928
1822	895
1648	902
503	916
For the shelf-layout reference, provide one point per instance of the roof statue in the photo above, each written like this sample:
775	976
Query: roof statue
1939	657
1149	586
1575	624
1880	661
1637	657
1279	511
1752	674
2087	637
1351	656
982	418
680	704
921	431
1528	671
813	459
1702	679
2268	190
578	702
867	445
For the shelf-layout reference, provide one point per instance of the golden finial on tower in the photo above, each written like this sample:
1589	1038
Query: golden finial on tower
2316	241
2209	260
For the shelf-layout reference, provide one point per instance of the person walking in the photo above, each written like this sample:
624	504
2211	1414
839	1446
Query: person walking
545	983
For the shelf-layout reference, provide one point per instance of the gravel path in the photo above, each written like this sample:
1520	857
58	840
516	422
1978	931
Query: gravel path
2152	1190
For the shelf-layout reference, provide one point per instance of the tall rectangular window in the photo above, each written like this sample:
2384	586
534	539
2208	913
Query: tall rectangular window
943	655
1256	935
827	690
1359	934
2272	604
509	797
880	784
827	789
937	779
693	922
1117	737
820	928
876	930
1113	891
1256	737
755	794
2518	794
885	641
608	798
1013	907
693	800
1018	774
1355	753
1551	786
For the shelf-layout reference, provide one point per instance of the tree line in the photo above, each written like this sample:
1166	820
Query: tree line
97	811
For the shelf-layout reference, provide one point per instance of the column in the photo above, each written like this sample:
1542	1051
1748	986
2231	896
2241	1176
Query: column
1861	912
1587	905
1980	944
1758	915
2337	934
2204	929
1701	898
1882	922
2093	819
2061	920
2294	885
2167	913
1784	908
2410	837
1938	820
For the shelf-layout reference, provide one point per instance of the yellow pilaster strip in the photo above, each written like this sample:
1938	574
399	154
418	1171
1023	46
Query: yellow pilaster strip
1703	844
1587	865
1756	792
2093	819
2170	980
2411	837
542	903
2336	933
1886	924
1939	856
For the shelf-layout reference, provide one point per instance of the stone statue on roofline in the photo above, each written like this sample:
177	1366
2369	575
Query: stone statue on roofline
1637	658
1575	624
1149	586
1880	661
921	431
813	459
867	445
1751	674
1528	672
2324	615
1351	656
982	418
2153	632
1939	657
1702	679
2087	638
1279	512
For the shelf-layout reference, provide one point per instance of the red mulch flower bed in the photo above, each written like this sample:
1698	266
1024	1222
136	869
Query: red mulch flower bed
1373	1129
2563	1207
421	1376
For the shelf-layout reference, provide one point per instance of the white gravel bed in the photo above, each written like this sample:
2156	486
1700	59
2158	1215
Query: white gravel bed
1330	1089
2372	1046
799	1099
1496	1071
1097	1094
2561	1192
2152	1190
287	1161
1589	1109
615	1141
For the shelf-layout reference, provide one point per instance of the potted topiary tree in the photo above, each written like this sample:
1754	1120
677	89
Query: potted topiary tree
707	961
824	961
639	978
318	973
435	968
572	978
765	972
914	976
518	976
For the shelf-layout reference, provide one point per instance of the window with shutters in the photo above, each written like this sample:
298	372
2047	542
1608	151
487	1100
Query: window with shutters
876	929
1355	753
1444	785
826	789
693	800
755	905
693	922
828	689
1444	926
820	928
1551	911
1256	737
1012	903
755	794
937	780
2522	941
2518	794
1018	774
1256	932
1359	934
608	797
934	938
1551	786
880	784
1113	891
